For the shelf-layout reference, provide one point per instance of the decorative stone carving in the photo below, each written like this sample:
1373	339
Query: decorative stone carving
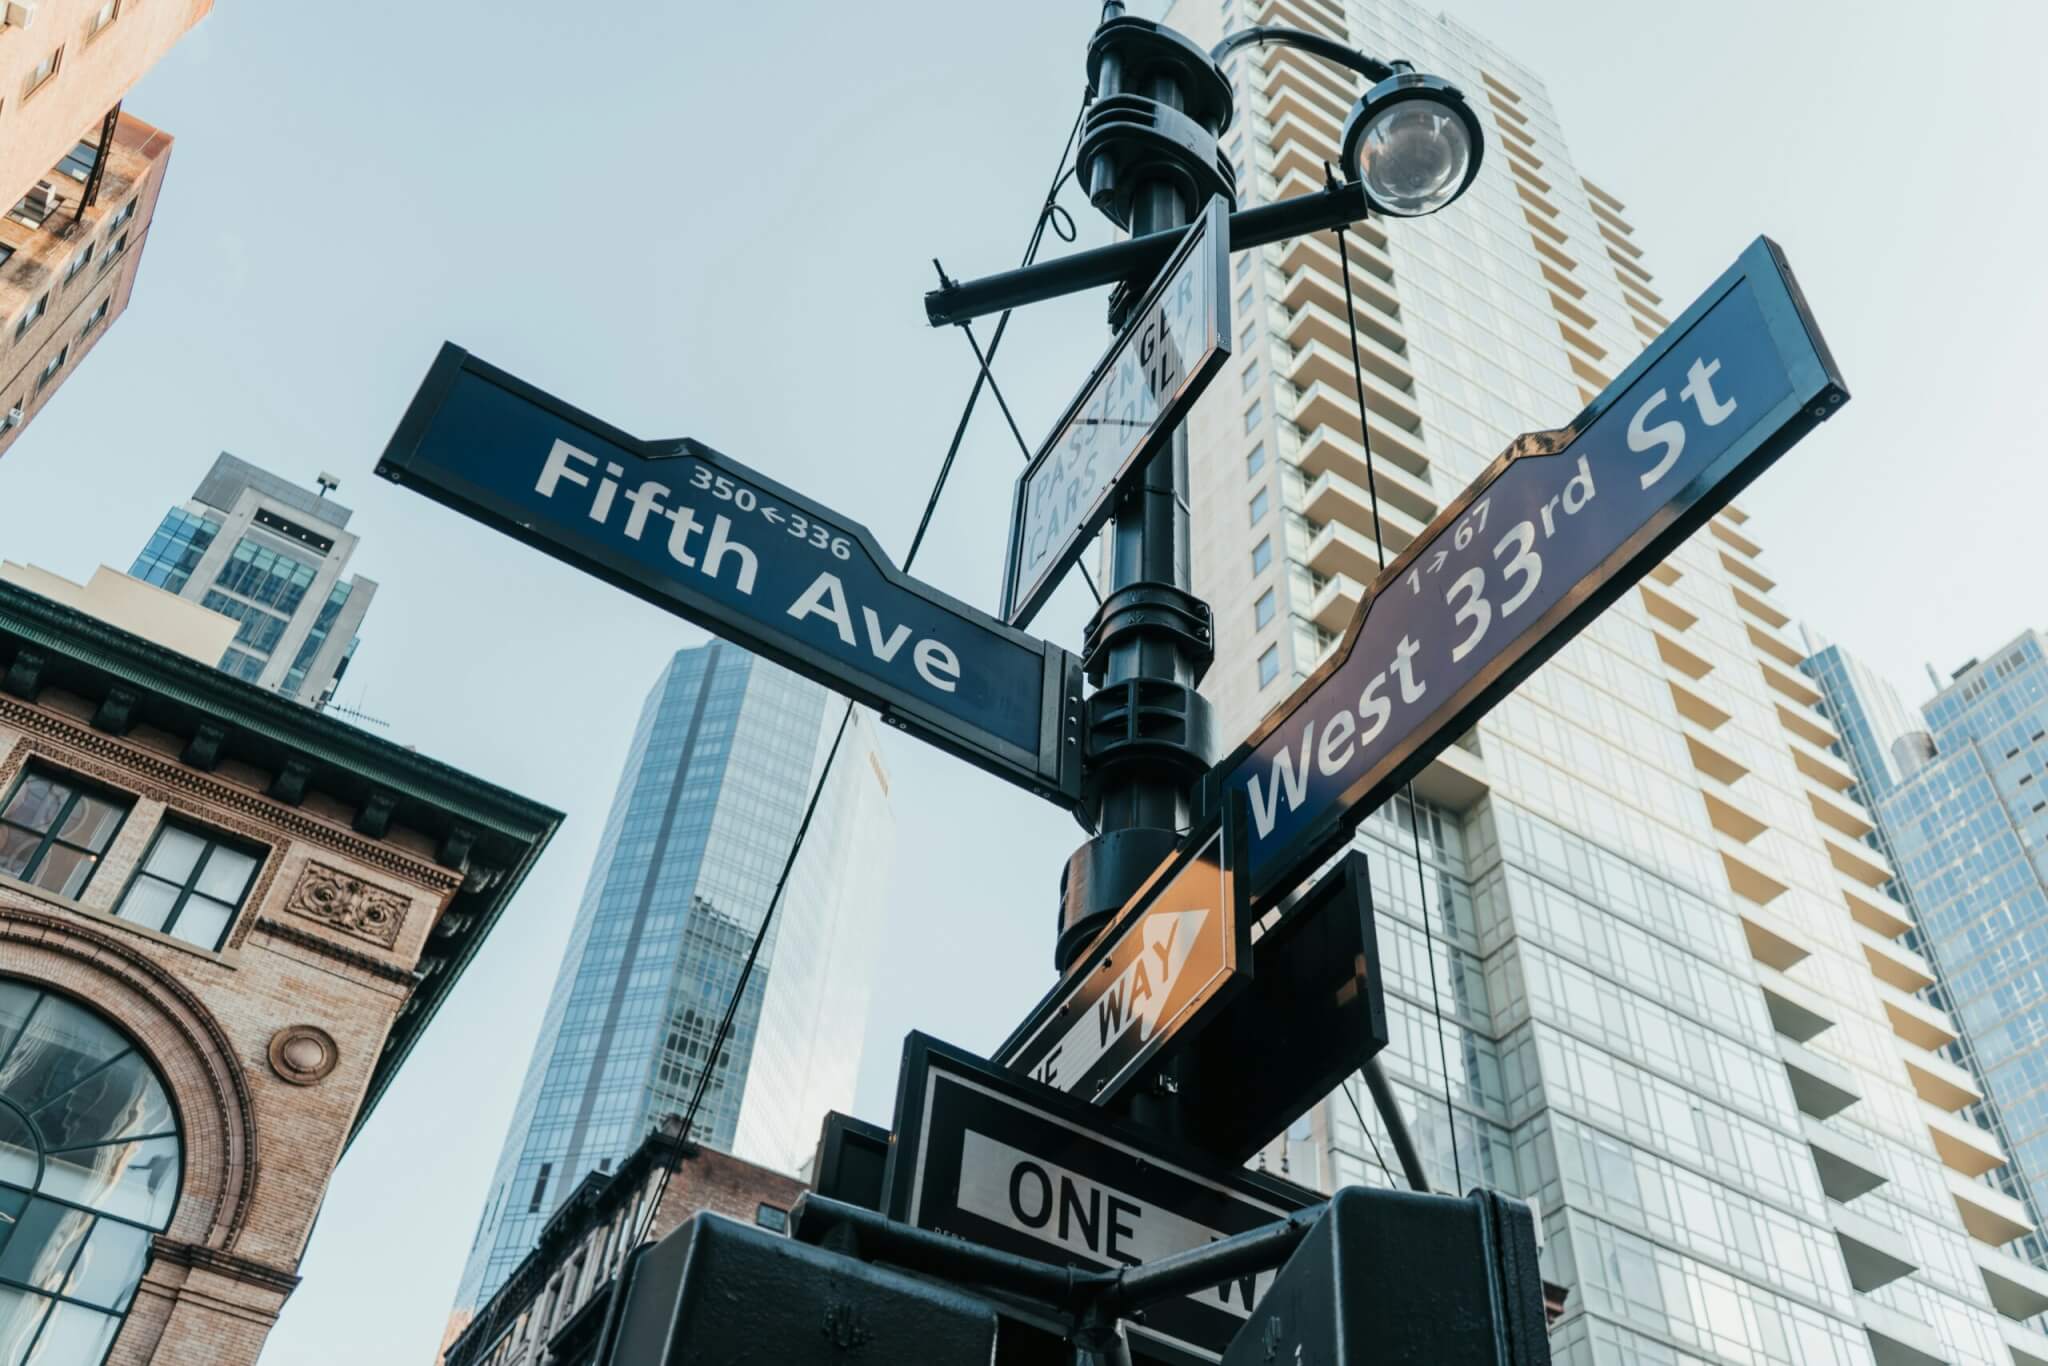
349	904
303	1054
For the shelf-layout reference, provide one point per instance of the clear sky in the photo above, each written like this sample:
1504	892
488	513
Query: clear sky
722	227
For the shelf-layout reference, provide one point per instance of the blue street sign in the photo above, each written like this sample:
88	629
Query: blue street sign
703	536
1558	527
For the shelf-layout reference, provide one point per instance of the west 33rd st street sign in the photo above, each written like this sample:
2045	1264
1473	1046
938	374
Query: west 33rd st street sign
1553	532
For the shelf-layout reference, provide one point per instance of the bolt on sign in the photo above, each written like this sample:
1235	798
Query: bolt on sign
1176	341
1167	957
1000	1160
1562	524
703	536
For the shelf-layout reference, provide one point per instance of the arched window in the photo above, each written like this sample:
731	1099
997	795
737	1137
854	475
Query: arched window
89	1168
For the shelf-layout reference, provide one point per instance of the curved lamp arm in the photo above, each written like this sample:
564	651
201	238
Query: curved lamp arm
1372	68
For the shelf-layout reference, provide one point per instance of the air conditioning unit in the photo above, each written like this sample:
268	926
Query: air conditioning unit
17	14
43	199
12	420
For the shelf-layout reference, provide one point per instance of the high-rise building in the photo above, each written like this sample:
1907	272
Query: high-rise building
714	788
269	554
69	252
1960	812
82	177
1674	1010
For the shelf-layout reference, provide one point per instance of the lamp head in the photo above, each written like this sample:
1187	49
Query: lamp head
1414	144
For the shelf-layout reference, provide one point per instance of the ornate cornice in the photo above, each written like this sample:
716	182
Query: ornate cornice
224	1264
131	767
234	1108
342	953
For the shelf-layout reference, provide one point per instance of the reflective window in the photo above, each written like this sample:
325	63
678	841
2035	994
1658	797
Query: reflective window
54	830
79	161
1262	554
190	885
265	576
175	550
1256	461
1252	416
1264	608
1269	665
1260	502
90	1161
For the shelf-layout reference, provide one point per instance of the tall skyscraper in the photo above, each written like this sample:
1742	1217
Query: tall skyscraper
1960	812
714	788
269	554
82	179
1675	1012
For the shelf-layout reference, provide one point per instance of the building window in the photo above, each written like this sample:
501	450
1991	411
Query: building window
79	161
50	371
190	885
1256	461
35	311
127	212
1244	304
1262	554
1263	609
263	575
107	13
1252	416
1251	374
1244	265
96	317
772	1218
1258	506
39	75
94	1121
78	263
540	1187
175	550
243	665
5	252
114	251
1269	665
54	830
1249	338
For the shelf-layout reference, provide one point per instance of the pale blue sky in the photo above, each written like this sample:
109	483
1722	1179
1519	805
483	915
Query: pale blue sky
722	226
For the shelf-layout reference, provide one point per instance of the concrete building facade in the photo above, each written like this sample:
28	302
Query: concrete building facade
1676	1014
271	556
224	922
713	790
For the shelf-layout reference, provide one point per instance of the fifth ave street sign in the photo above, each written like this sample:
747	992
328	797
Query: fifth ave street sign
1178	337
1560	526
1172	950
999	1160
700	534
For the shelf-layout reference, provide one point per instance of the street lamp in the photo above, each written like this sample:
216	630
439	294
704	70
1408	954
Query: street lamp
1413	142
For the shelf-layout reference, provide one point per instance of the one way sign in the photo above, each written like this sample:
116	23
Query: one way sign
1178	945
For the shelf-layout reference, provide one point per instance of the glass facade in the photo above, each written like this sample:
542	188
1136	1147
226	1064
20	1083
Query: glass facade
714	788
175	550
1635	904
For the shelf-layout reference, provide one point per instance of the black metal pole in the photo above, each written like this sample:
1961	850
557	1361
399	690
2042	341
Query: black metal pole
1397	1125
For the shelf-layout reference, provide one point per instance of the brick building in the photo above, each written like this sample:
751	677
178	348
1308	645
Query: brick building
82	179
551	1309
224	922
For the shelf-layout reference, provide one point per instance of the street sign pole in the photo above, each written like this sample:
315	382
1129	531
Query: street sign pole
1147	733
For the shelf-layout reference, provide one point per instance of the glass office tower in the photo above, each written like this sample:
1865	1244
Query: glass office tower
1675	1011
713	791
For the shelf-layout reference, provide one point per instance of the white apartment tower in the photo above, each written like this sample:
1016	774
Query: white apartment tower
1676	1012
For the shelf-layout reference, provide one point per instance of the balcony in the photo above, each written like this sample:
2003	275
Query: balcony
1796	686
1809	727
1336	604
1893	963
1724	531
1379	346
1306	14
1874	910
1304	153
2028	1347
1337	549
1371	274
1774	645
1327	451
1992	1217
1848	1166
1855	859
1874	1254
1310	285
1798	1013
1848	819
1730	813
1286	101
2018	1290
1897	1340
1758	608
1821	1086
1695	706
1747	572
1961	1144
1294	69
1322	406
1938	1081
1710	754
1678	656
1456	779
1773	941
1666	608
1914	1020
1819	765
1317	366
1748	875
1333	498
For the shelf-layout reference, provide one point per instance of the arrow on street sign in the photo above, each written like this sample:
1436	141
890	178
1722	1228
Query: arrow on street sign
701	535
997	1159
1169	955
1178	338
1560	526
